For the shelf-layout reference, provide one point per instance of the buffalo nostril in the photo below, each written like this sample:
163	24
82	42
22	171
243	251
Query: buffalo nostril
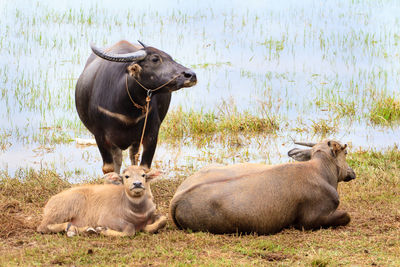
189	74
137	184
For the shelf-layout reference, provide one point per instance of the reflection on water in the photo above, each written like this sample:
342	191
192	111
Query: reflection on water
294	59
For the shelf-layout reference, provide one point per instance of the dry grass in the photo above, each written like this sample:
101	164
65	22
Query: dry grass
372	238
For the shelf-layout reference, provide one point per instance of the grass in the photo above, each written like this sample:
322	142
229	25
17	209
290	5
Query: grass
340	107
301	63
385	111
370	239
335	59
324	127
4	142
321	127
52	135
179	123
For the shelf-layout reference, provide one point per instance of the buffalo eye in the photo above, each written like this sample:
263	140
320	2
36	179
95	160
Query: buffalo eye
126	176
155	59
143	175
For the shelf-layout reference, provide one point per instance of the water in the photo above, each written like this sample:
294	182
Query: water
292	59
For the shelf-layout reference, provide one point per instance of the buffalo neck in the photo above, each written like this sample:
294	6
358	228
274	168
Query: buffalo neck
138	211
139	204
137	93
327	166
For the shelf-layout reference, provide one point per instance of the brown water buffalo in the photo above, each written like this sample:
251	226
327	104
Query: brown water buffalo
111	96
265	199
107	209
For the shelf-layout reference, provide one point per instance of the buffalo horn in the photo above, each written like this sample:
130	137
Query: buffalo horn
309	144
142	43
129	57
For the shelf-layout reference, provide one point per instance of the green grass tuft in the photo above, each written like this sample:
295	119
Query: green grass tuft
179	123
323	127
319	263
385	110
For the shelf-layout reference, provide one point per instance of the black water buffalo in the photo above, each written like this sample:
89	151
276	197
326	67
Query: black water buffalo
111	95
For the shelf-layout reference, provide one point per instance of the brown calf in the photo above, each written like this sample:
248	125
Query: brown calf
265	199
107	209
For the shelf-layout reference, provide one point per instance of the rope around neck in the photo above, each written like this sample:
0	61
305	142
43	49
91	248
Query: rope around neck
155	89
148	98
145	109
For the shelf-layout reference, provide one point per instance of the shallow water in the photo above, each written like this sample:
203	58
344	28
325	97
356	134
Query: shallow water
292	59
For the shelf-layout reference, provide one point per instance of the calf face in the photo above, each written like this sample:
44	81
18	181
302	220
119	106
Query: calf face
136	180
339	152
350	175
334	150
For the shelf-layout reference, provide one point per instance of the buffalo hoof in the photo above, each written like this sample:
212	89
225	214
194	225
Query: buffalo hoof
100	229
71	233
91	231
71	230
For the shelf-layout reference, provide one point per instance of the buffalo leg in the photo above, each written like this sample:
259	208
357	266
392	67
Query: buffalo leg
133	150
69	228
159	223
117	158
106	155
110	232
58	227
334	219
149	147
337	218
51	228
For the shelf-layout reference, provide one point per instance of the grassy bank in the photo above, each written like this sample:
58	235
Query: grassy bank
385	111
370	239
179	123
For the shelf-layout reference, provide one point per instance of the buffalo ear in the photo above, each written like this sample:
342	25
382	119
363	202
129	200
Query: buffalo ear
134	70
112	178
335	148
300	154
122	179
152	174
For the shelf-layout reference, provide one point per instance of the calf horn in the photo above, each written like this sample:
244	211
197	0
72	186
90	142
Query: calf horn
142	44
309	144
129	57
